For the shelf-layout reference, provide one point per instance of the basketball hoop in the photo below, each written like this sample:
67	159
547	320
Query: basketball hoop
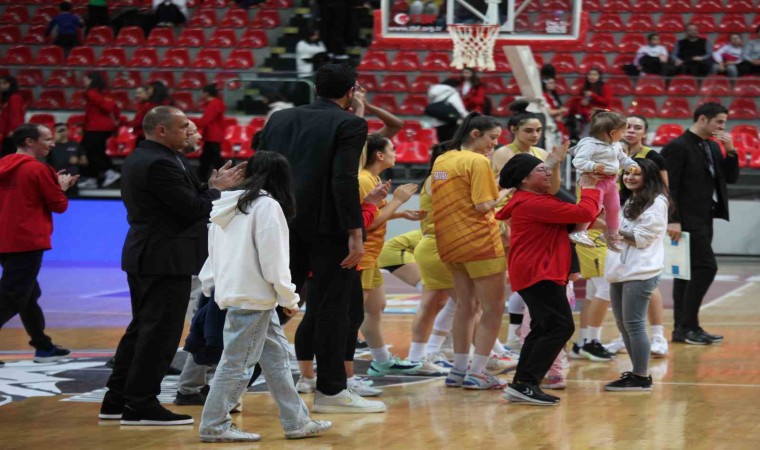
473	46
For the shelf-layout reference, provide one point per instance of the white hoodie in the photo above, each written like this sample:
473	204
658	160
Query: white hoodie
440	92
248	255
591	151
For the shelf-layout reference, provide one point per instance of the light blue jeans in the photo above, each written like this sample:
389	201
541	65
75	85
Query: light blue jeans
630	301
252	337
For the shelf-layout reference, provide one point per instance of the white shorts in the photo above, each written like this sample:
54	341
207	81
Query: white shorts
598	287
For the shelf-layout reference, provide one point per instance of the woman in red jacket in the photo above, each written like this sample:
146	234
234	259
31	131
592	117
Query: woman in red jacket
472	91
156	94
101	115
539	264
212	124
595	94
12	111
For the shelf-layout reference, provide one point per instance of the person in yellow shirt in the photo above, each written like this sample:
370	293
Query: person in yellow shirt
464	194
397	257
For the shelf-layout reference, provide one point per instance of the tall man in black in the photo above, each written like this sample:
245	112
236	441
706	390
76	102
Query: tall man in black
698	173
165	245
323	143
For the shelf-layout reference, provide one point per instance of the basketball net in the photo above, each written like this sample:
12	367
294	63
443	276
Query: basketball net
473	46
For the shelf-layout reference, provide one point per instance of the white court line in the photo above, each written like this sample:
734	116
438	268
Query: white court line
679	383
726	296
102	293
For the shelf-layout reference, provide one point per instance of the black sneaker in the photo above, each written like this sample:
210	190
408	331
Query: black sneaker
696	337
156	415
679	335
197	399
530	394
54	353
630	382
714	338
595	351
361	344
110	410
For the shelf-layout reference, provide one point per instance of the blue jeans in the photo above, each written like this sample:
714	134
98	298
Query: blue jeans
252	337
630	300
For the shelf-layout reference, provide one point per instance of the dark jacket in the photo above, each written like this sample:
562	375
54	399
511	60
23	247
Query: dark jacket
166	211
205	341
691	184
323	144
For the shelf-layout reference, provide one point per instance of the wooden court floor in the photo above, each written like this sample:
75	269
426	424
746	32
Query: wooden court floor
703	398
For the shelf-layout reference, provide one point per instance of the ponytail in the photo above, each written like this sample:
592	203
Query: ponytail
473	121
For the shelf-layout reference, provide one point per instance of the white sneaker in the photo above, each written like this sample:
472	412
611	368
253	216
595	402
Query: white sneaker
498	364
618	346
428	368
659	347
362	387
233	434
514	345
312	428
581	238
440	360
112	177
306	385
87	183
345	402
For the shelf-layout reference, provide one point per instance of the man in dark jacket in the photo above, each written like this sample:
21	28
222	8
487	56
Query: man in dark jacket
165	245
692	55
697	174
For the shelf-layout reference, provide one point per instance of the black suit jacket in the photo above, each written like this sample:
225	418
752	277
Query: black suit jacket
691	184
323	144
166	211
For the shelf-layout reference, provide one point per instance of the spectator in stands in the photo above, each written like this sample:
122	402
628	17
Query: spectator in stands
66	155
729	56
156	94
101	116
12	112
32	191
473	92
333	21
750	64
212	126
67	27
554	103
275	101
446	94
651	58
307	50
97	14
170	12
692	55
595	95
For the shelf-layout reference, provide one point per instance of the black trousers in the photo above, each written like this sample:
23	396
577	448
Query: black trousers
333	21
551	326
96	15
688	294
211	158
94	146
747	68
326	322
695	68
148	346
20	292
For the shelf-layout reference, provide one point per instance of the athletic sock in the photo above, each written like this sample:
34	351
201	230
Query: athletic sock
498	348
380	355
460	362
595	334
512	332
582	337
434	343
478	364
416	351
657	330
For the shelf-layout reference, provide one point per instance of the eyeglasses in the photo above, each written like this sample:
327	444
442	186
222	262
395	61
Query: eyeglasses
543	170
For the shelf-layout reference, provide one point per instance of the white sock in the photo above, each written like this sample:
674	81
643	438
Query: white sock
416	351
595	334
582	337
657	330
445	317
478	364
380	355
419	286
460	362
512	332
434	343
498	348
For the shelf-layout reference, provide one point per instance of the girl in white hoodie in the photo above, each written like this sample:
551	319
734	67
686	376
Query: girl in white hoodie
248	268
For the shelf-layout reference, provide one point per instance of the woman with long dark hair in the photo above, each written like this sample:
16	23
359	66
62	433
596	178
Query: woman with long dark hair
12	112
635	272
472	90
157	94
595	95
101	115
248	268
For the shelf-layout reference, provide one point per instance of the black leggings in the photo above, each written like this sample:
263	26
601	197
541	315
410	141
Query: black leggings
94	146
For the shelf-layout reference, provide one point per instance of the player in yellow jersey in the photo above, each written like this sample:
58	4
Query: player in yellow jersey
464	194
397	257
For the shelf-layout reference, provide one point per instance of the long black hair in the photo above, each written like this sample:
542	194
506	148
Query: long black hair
644	198
270	172
437	150
97	81
160	94
520	115
473	121
553	94
594	87
375	143
474	80
12	88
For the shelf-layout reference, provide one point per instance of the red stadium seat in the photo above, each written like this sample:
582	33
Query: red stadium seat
368	81
676	108
631	43
650	86
593	60
668	41
29	77
422	83
192	80
183	100
683	85
640	23
644	106
239	58
257	123
747	144
50	99
122	144
222	37
562	88
701	101
239	136
620	86
227	80
374	60
394	83
436	61
740	6
405	61
167	78
192	37
175	58
161	37
81	57
592	5
374	125
45	119
16	14
417	152
144	57
565	63
743	108
670	23
61	78
253	39
708	6
35	35
666	133
208	58
127	80
75	122
647	6
747	87
616	104
18	55
601	43
235	18
617	5
385	101
412	131
100	35
130	37
677	6
203	18
704	22
502	109
10	34
493	84
266	19
610	22
278	4
512	87
112	57
502	63
413	105
751	129
50	55
215	3
733	23
716	86
121	98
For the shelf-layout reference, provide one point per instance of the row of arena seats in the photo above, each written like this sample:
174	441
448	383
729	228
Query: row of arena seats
675	22
63	78
56	99
149	3
649	6
132	36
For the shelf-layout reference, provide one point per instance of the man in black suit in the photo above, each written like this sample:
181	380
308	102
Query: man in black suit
323	143
698	173
165	245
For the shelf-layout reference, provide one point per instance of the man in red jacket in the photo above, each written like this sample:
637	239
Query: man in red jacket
30	191
212	126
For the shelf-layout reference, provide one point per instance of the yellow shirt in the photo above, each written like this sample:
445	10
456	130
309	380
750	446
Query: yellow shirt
375	238
461	180
427	225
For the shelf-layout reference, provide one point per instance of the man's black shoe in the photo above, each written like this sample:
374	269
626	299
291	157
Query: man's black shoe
696	337
196	399
156	415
